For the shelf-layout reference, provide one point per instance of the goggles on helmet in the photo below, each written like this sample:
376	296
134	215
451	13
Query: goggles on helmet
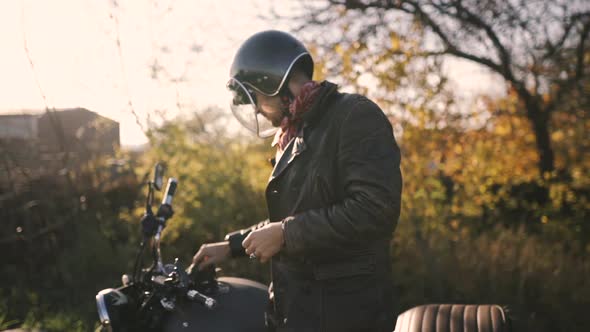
245	109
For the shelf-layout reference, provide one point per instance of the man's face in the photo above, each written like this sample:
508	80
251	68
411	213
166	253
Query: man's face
270	108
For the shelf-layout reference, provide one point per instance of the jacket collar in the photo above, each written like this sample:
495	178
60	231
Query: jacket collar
295	147
318	106
316	111
298	145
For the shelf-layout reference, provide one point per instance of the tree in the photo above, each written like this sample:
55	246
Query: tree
539	48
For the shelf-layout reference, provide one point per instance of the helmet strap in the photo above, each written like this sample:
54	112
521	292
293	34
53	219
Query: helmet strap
286	98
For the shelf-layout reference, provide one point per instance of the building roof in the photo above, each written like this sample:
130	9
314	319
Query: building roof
41	112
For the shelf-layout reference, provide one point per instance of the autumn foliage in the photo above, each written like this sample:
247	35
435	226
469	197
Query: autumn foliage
496	195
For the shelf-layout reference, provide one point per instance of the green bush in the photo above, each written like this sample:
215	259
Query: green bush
440	254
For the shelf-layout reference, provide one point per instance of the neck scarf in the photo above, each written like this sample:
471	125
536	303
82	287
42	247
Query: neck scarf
300	105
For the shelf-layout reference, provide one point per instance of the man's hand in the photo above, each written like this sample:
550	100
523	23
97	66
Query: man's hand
211	253
265	242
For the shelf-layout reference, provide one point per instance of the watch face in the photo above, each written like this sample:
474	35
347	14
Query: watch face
244	108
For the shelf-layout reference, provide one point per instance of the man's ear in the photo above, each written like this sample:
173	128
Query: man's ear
296	81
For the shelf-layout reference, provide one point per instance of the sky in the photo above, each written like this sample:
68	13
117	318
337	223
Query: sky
100	54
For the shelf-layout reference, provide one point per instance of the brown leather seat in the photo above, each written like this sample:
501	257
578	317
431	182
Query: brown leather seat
453	318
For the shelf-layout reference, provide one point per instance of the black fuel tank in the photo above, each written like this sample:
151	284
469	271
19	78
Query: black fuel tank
241	304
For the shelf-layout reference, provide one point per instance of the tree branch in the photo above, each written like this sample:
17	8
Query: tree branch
466	16
450	47
567	28
579	71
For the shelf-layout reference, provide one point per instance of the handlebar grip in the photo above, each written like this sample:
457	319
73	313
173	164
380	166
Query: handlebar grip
170	191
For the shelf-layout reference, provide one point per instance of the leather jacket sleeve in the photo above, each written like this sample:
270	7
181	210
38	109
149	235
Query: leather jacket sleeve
236	238
369	178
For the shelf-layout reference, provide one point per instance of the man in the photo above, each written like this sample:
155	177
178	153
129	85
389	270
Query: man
333	196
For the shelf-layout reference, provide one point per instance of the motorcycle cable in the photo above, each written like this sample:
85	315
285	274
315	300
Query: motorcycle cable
164	213
147	222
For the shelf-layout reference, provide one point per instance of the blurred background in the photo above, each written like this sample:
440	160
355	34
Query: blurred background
489	100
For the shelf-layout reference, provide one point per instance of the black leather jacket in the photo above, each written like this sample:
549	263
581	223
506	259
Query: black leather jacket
337	188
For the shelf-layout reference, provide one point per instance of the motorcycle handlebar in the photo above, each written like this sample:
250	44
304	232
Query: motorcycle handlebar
165	210
170	191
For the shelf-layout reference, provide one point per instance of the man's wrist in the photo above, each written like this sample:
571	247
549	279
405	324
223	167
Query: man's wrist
226	248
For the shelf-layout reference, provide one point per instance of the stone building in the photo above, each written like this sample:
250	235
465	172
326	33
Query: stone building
36	143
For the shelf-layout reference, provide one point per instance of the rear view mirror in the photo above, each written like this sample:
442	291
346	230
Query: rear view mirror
158	175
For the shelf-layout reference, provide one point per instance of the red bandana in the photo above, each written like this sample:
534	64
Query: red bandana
301	104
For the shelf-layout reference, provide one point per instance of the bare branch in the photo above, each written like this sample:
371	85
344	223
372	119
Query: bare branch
54	120
579	71
465	15
123	71
581	50
567	28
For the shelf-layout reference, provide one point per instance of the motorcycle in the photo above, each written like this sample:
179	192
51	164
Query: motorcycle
166	297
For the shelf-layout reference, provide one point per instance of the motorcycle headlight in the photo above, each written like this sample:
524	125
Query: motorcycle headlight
113	306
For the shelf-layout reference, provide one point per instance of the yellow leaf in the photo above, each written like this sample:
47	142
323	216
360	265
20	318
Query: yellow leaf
395	43
557	136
